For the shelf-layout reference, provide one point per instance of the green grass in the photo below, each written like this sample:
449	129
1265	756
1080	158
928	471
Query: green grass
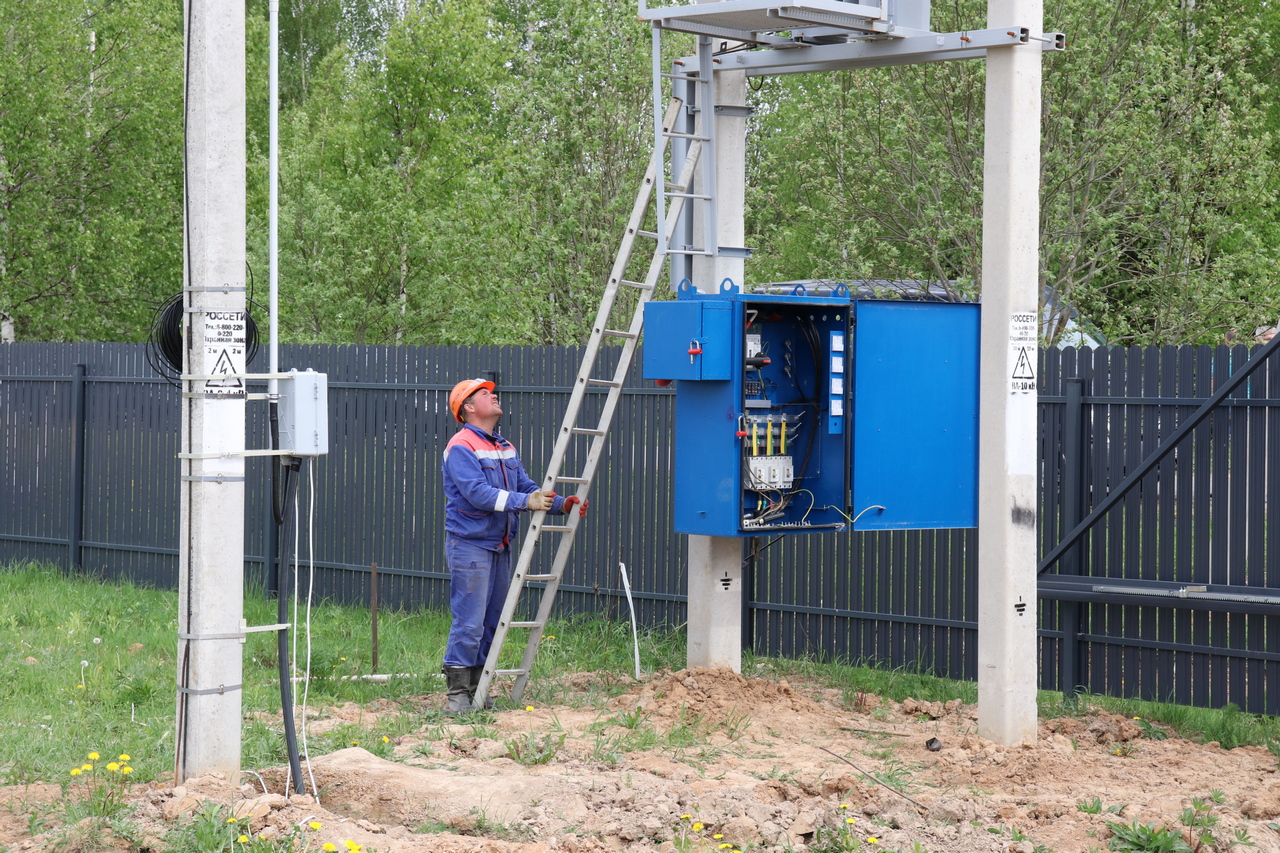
91	669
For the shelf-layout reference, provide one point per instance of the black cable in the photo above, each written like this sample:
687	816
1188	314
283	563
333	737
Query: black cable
282	637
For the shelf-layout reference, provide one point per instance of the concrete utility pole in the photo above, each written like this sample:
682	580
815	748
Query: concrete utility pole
715	562
211	547
1007	649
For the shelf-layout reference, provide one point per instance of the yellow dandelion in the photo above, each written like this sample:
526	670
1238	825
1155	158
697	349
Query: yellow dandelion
79	687
315	824
86	766
231	820
871	839
341	658
329	845
724	846
386	739
93	756
113	767
126	770
355	743
353	847
844	805
697	827
124	756
244	839
76	771
685	816
850	820
718	836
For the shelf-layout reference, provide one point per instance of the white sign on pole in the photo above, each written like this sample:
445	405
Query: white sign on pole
225	342
1023	353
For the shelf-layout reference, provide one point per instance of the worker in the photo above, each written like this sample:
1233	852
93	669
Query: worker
485	488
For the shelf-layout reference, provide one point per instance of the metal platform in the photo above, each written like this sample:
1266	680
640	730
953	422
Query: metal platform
759	21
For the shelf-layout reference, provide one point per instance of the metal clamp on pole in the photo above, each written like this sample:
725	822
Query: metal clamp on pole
219	690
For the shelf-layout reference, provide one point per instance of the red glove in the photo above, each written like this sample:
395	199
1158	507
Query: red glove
574	499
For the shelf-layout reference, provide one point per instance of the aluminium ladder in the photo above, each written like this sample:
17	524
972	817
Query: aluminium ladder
677	192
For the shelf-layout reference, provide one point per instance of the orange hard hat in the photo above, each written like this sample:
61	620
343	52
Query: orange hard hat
462	391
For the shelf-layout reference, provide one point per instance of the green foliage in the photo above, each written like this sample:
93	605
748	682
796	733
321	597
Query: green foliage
531	748
1202	832
90	165
1155	170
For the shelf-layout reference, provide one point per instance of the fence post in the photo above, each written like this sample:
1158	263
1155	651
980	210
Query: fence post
76	524
1071	662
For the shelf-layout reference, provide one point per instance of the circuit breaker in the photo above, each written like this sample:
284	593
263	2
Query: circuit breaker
806	413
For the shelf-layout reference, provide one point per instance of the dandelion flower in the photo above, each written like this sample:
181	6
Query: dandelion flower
231	820
353	846
126	770
386	739
97	640
341	658
849	820
86	766
844	805
113	767
871	839
685	816
329	846
124	756
315	824
355	743
718	836
93	756
724	846
79	687
244	839
76	771
697	827
528	707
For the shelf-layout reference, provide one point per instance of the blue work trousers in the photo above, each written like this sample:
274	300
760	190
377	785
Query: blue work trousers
478	581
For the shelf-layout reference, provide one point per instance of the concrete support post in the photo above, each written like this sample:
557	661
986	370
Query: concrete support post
1007	648
715	563
211	546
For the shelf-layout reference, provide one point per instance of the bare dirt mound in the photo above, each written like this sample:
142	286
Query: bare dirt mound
695	759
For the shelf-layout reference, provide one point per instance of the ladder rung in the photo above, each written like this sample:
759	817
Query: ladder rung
572	480
618	333
528	578
675	134
677	76
524	625
686	195
508	672
608	383
639	284
555	528
687	252
671	186
652	235
585	431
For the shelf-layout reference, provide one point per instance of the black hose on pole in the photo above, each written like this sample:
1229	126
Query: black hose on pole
280	499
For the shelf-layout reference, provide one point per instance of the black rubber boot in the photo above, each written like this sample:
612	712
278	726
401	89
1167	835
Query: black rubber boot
476	672
457	681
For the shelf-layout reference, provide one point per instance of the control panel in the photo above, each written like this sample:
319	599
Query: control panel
807	413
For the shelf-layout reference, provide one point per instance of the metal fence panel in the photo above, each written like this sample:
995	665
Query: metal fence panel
898	598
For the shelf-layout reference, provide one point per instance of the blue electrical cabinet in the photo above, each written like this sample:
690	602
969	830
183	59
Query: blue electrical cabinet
804	413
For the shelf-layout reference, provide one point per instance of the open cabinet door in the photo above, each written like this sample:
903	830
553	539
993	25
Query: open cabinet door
915	415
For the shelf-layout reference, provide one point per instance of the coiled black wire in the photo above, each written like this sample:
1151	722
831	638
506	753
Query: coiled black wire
164	342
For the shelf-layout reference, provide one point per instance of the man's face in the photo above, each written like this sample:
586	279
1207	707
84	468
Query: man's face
483	404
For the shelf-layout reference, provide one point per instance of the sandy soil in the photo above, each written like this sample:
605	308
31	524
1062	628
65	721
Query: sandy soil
701	758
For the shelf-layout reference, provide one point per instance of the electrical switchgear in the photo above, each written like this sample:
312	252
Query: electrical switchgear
805	413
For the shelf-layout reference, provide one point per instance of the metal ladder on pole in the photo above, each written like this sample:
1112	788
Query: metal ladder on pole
570	430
